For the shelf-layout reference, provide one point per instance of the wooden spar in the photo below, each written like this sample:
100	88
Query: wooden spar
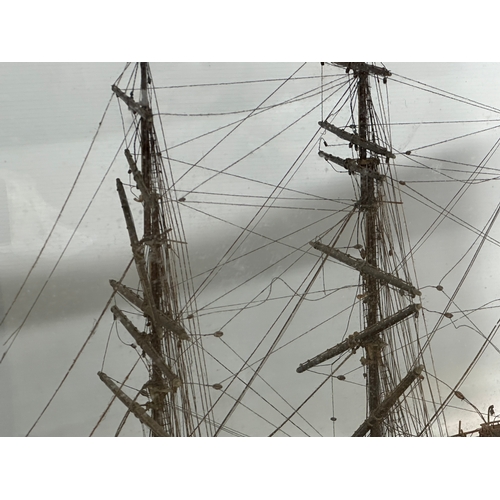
365	268
383	409
352	165
132	105
146	195
163	319
332	158
134	407
129	220
144	344
356	139
137	249
358	338
365	68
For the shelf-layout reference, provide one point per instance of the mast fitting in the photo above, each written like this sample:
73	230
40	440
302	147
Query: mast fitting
162	318
135	107
134	407
359	67
363	267
143	342
356	140
358	339
354	166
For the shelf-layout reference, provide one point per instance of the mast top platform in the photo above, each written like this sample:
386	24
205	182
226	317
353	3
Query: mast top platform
365	68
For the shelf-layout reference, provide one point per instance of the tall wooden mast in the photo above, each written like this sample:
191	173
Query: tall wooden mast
151	235
174	360
368	206
366	164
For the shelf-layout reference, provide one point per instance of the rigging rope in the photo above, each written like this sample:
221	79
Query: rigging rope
487	341
444	93
80	170
15	334
236	127
445	213
282	331
101	418
262	210
310	396
242	82
92	331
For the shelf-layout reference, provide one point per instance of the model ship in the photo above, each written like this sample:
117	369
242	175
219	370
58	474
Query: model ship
338	302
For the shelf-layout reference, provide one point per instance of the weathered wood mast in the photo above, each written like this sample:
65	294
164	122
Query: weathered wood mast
370	154
384	302
173	357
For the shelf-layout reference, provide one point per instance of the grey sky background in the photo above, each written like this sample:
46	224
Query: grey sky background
48	133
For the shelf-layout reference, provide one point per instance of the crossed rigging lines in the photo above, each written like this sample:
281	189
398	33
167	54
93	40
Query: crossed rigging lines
443	212
82	347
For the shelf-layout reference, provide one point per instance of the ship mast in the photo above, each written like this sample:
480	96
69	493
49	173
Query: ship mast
376	322
151	234
173	358
368	205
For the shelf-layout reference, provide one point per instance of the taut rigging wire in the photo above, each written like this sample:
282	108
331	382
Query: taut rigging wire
80	170
443	214
266	80
94	328
321	261
443	93
14	335
238	125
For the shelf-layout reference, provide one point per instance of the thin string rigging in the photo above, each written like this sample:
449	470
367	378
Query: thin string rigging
73	186
266	80
92	331
434	90
262	210
280	334
236	127
14	335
